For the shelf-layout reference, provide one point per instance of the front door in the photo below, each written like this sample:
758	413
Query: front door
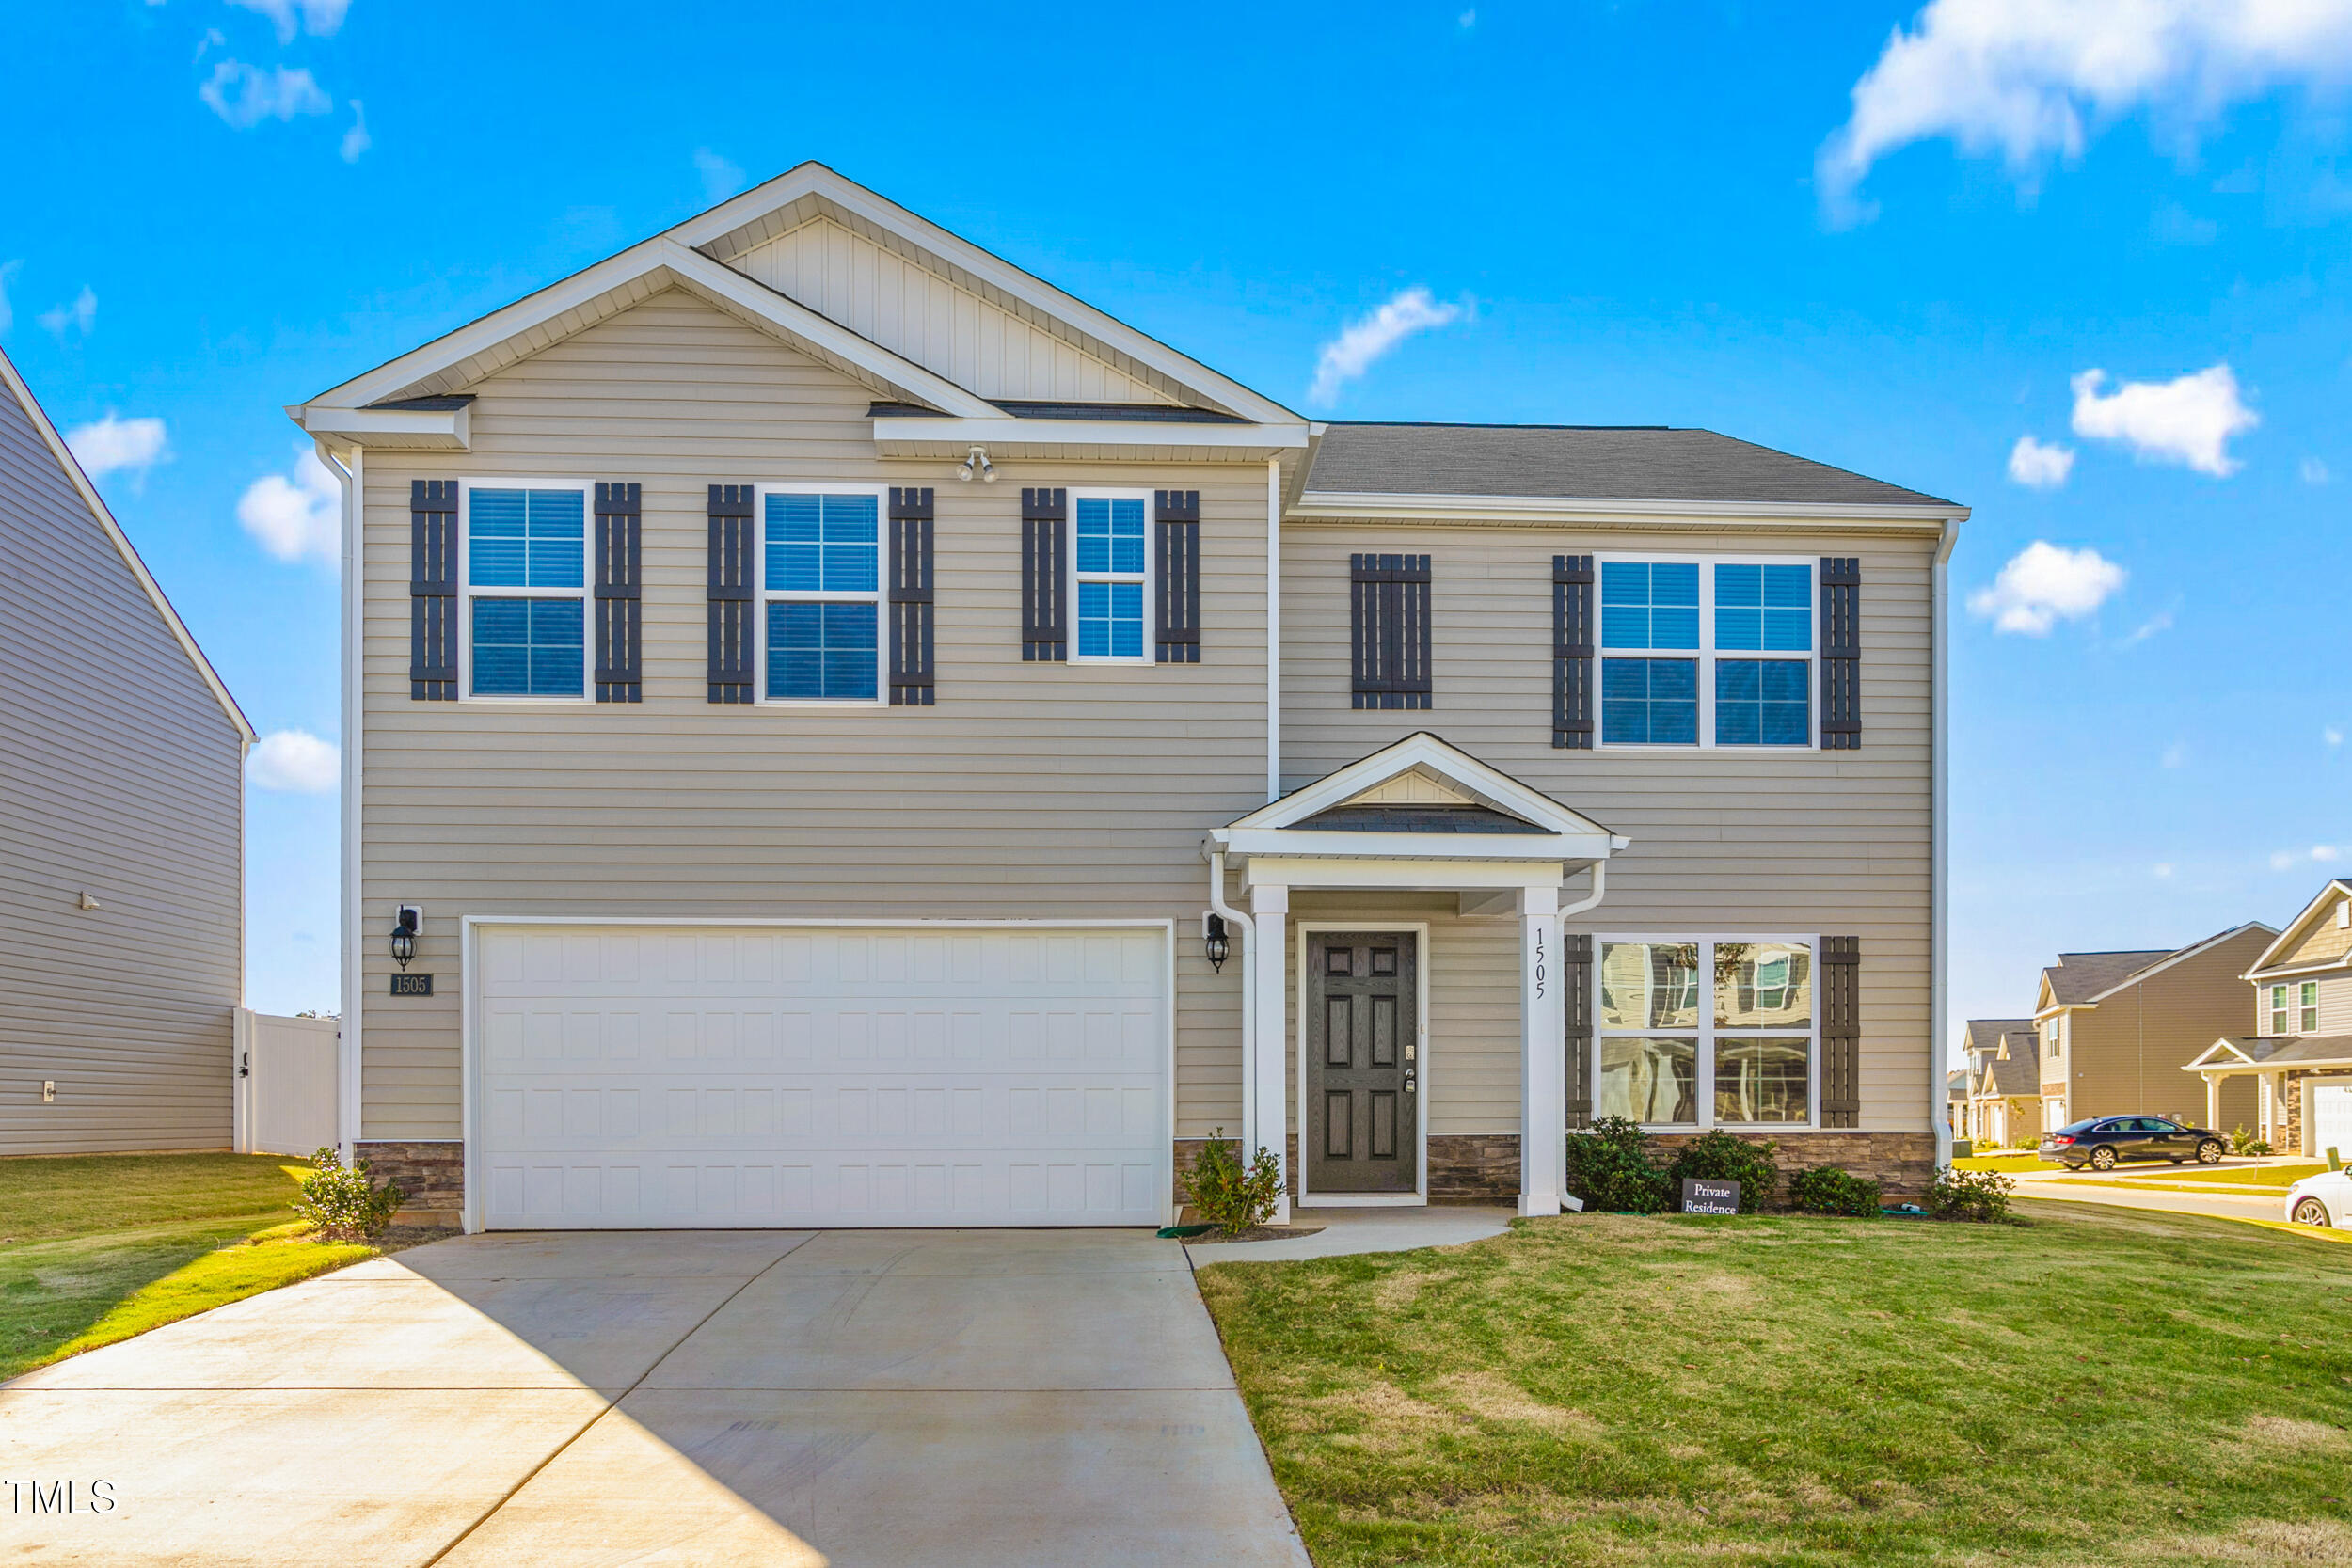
1363	1072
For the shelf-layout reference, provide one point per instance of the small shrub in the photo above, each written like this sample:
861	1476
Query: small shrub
1970	1194
1610	1169
2243	1142
1828	1190
1231	1197
1721	1156
340	1204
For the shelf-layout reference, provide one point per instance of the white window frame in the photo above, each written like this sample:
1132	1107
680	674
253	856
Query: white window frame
767	595
1149	576
2277	1013
1706	654
466	594
2307	1013
1707	1033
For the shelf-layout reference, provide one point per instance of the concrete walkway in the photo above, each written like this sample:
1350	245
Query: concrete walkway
854	1398
1353	1231
2266	1206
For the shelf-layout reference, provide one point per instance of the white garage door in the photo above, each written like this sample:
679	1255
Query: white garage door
2331	1118
648	1077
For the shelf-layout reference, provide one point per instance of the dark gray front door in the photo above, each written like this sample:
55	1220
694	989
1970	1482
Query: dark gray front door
1363	1072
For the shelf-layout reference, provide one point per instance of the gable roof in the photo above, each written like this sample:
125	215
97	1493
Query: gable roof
1984	1033
2085	979
13	384
2274	1051
2338	887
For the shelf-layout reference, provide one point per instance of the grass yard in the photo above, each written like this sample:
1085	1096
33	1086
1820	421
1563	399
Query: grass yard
96	1248
2093	1386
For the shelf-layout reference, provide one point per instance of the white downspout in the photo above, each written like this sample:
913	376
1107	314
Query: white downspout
1939	980
347	1097
1600	888
1233	917
1273	631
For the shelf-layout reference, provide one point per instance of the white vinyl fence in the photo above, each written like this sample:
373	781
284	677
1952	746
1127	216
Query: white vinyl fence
285	1084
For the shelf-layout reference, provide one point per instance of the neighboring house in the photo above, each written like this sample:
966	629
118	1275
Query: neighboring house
2296	1066
815	682
1956	1102
2004	1080
2116	1027
122	781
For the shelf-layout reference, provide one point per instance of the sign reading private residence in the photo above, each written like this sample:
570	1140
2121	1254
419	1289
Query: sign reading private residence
1709	1197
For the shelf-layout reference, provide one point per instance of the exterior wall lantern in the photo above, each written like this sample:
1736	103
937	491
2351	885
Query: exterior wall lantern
406	925
1213	935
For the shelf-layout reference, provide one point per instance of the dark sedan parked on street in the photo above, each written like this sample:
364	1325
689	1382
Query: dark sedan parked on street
2102	1142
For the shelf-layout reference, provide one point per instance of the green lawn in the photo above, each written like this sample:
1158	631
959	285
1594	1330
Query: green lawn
2093	1386
95	1248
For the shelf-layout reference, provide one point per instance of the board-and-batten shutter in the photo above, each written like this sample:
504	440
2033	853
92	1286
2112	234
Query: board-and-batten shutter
731	597
1177	635
1391	624
619	593
910	596
1044	575
1572	652
432	589
1577	1000
1841	1031
1841	653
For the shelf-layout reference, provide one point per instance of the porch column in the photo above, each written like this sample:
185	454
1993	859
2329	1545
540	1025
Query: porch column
2212	1099
1267	1096
1543	1054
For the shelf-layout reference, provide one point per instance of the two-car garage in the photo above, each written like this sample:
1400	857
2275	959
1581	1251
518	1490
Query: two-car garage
679	1075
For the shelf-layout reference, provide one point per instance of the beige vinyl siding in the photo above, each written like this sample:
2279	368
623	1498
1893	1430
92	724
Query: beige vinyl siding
1029	791
2127	1051
1828	843
122	779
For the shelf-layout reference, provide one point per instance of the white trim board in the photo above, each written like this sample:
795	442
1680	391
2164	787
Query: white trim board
1297	1121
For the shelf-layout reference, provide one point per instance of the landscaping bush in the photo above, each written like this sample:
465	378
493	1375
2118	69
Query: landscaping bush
342	1204
1828	1190
1231	1197
2243	1142
1970	1194
1608	1169
1719	1156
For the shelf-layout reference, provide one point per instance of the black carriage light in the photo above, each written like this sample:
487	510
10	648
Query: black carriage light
405	925
1213	931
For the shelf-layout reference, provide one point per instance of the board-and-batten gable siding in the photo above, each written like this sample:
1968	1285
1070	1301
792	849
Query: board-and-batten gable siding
120	775
891	300
1835	843
1028	791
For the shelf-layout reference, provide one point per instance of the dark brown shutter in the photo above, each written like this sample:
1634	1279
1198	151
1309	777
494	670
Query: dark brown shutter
910	597
1044	575
432	589
1391	620
620	607
1178	515
1841	653
1841	1031
1572	652
731	596
1577	999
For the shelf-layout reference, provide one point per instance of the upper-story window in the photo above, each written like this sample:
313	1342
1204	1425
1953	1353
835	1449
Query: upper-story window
1707	653
525	586
820	592
2053	1038
2278	1009
2307	1007
1111	575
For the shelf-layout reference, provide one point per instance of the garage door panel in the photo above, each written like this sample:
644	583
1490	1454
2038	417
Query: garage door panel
855	1077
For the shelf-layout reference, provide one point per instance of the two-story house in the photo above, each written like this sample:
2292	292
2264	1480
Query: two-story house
842	733
2296	1068
2002	1086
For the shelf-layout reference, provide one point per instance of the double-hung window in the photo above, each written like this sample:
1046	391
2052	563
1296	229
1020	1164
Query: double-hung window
2307	1007
2278	1009
820	595
525	615
1707	653
1110	570
1708	1033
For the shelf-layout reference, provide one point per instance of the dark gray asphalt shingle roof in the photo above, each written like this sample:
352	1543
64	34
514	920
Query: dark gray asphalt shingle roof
1985	1033
1584	463
2270	1051
2080	977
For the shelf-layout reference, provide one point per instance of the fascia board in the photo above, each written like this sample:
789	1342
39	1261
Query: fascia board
1425	750
1408	873
2207	1058
1351	505
449	429
1322	845
121	541
995	429
2182	956
2297	971
2294	927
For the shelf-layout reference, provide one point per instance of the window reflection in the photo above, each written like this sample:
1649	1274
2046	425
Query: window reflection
1763	984
1649	985
1651	1081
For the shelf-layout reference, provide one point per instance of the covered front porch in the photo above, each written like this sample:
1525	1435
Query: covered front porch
1416	875
2292	1076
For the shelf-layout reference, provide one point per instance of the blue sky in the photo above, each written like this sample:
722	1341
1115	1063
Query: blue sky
1898	251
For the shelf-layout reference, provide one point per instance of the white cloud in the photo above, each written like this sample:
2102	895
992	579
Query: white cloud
2021	78
111	444
1367	337
2162	868
246	95
319	18
2040	466
8	270
2282	858
2044	583
2332	736
1468	19
720	179
2176	753
296	515
356	140
2324	852
295	761
2187	421
2160	622
2312	471
81	315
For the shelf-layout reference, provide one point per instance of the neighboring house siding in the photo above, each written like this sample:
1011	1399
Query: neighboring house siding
2127	1052
120	776
1832	842
1034	791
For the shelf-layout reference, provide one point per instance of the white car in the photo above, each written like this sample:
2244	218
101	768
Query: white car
2322	1199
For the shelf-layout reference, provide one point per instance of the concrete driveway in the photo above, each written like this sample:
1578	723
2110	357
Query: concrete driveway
864	1397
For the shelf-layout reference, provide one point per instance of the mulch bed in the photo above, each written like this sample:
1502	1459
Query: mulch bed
1255	1233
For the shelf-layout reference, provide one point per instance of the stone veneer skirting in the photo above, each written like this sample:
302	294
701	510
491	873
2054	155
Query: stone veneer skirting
433	1175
